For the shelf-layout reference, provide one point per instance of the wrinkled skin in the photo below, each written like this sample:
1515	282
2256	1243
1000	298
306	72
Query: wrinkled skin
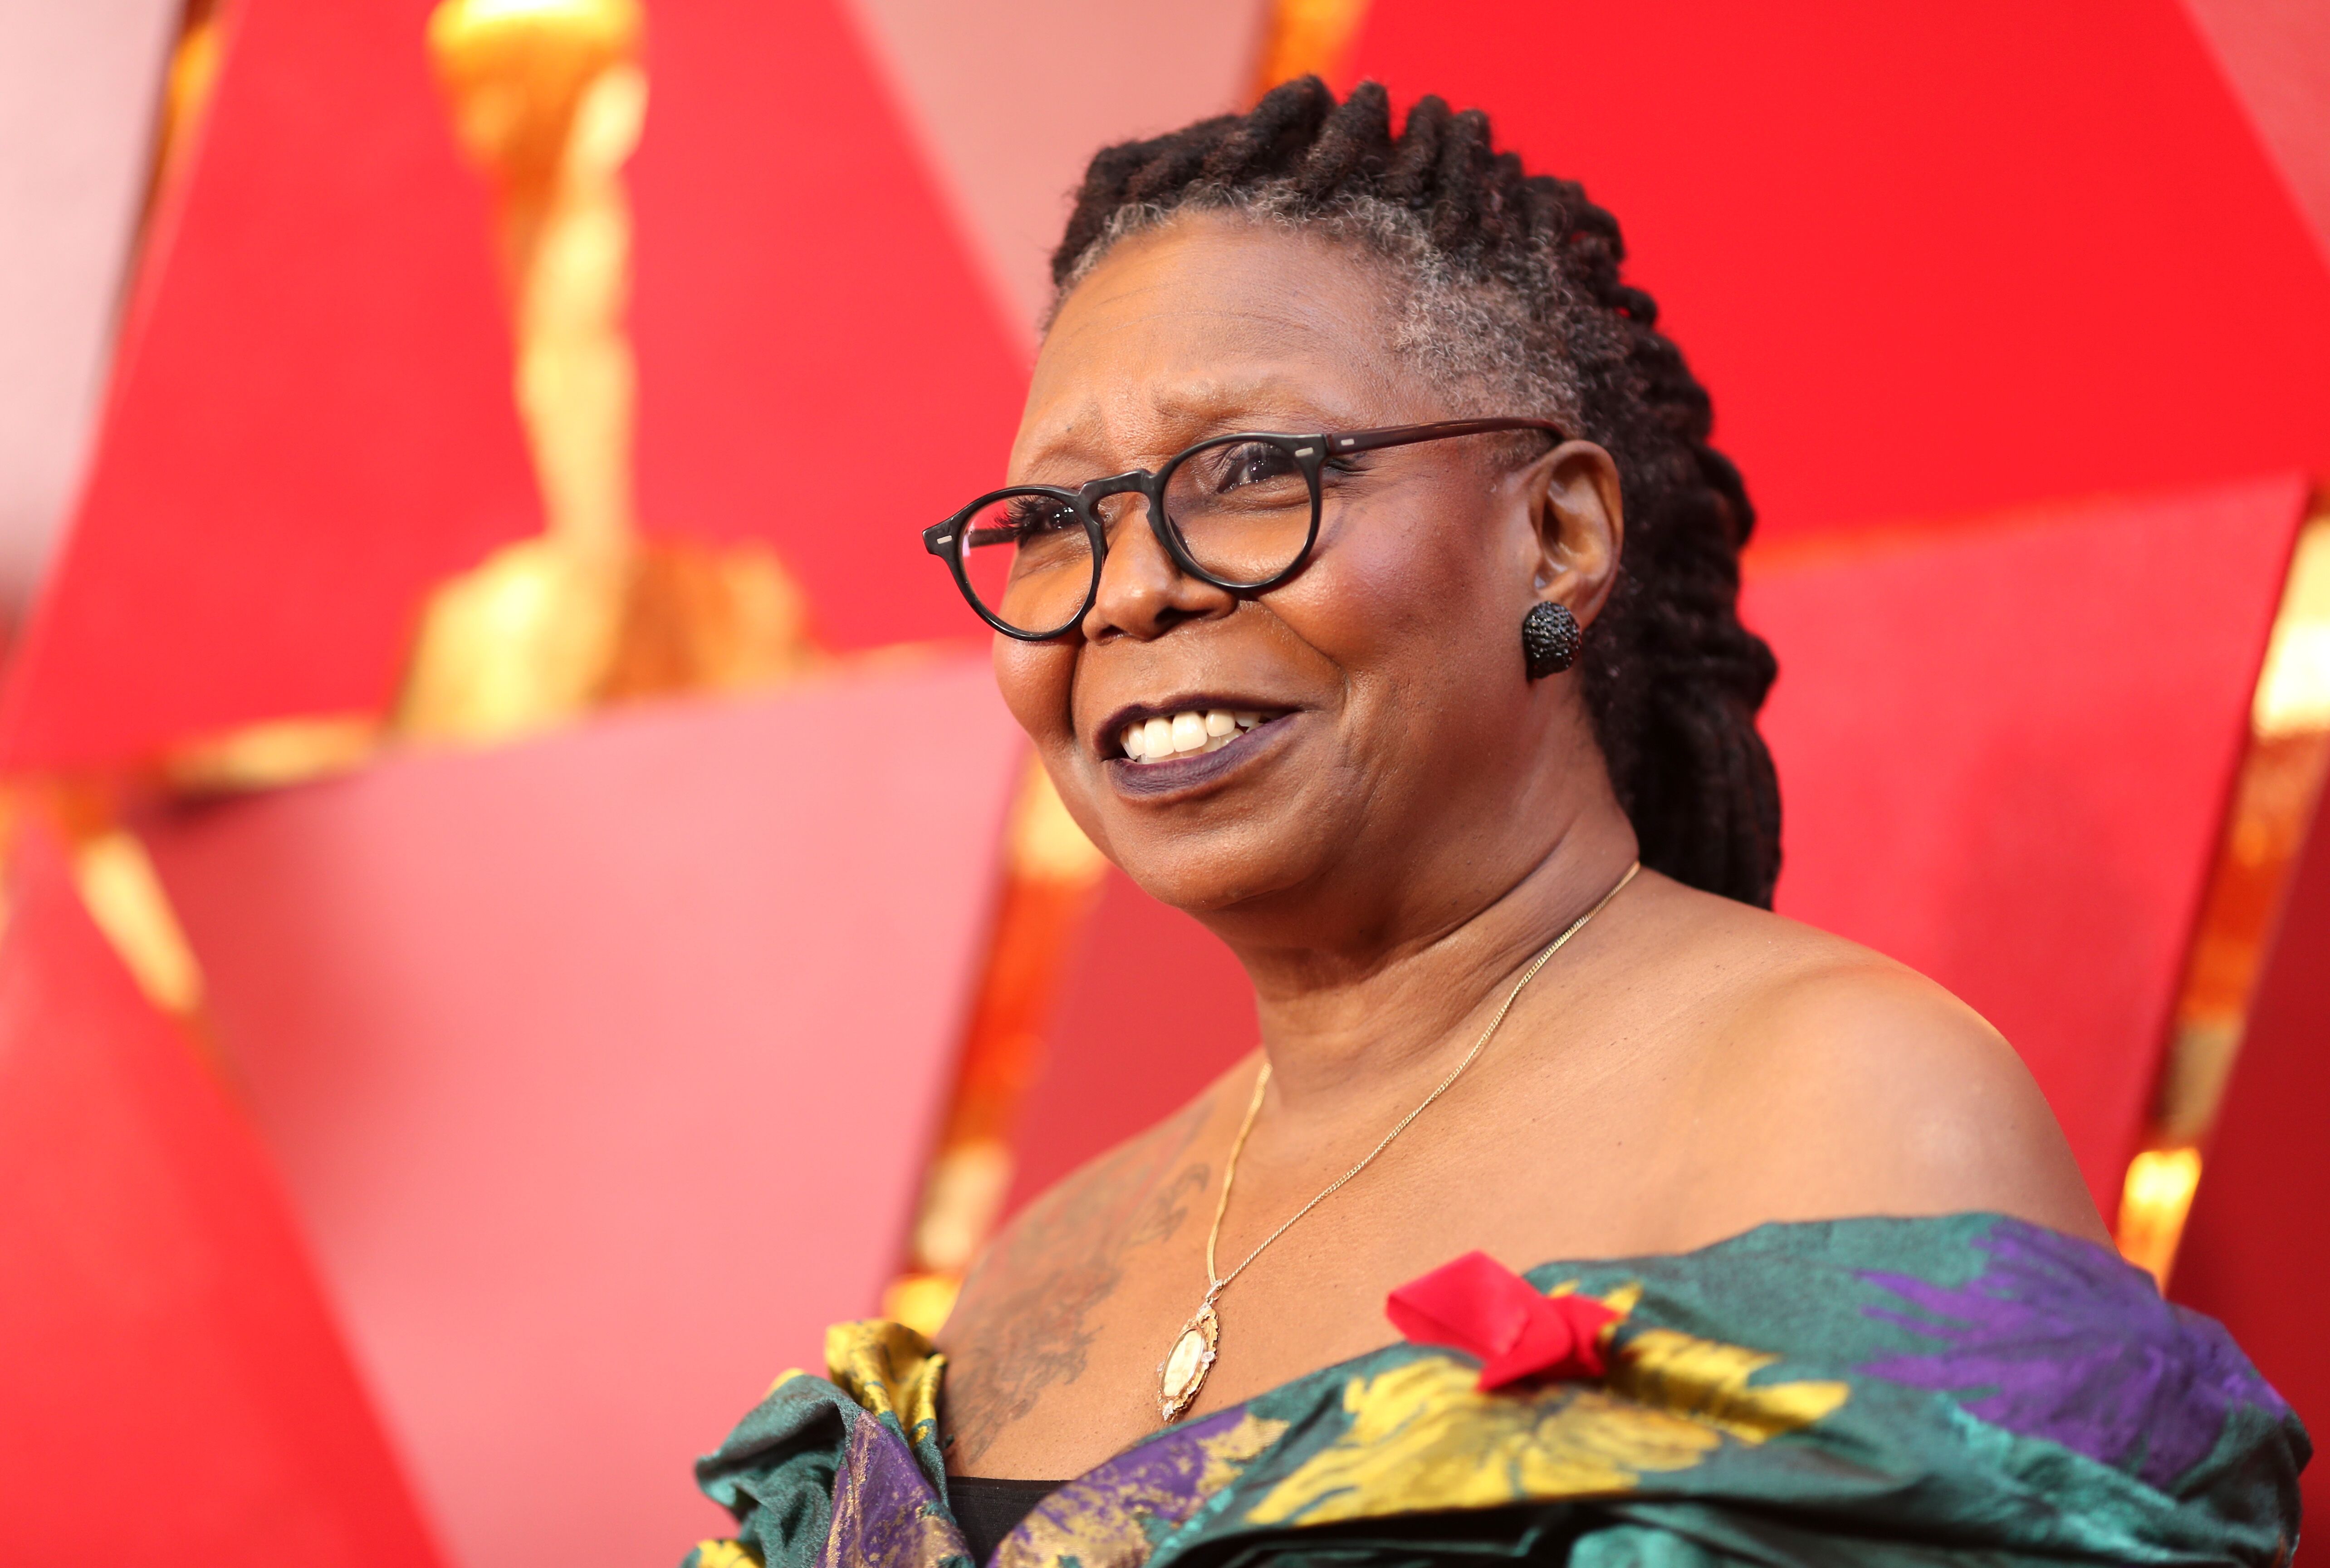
1384	860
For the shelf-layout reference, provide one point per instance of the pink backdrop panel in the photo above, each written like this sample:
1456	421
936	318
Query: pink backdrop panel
310	419
1930	260
2004	754
603	1068
1012	160
2277	53
820	363
174	1388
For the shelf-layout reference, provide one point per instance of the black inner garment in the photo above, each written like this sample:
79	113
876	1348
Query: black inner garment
988	1510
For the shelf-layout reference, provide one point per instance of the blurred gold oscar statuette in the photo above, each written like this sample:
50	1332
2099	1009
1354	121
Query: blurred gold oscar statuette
549	98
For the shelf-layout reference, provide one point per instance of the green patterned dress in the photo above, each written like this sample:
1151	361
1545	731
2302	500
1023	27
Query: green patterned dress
1965	1390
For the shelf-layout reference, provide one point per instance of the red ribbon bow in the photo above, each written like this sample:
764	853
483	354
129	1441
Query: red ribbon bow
1480	1306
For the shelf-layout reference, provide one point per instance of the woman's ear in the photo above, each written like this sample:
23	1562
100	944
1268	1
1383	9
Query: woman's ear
1580	520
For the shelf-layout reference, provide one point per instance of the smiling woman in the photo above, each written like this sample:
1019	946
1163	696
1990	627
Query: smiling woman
1366	583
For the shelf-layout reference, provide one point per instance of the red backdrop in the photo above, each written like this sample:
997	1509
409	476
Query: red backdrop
310	421
2005	748
820	364
1930	260
173	1389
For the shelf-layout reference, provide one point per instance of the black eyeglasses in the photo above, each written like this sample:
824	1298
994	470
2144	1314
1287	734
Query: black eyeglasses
1238	511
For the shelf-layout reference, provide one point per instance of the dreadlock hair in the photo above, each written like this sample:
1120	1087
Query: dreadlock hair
1511	290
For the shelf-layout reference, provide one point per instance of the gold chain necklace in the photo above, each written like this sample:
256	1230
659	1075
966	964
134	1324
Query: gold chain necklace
1198	1345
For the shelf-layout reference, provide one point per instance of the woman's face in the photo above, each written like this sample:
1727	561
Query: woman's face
1402	760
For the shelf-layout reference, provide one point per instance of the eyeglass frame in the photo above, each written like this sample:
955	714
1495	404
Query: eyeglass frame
945	539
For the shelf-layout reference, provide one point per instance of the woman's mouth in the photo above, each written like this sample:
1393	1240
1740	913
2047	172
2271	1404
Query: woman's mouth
1172	753
1190	733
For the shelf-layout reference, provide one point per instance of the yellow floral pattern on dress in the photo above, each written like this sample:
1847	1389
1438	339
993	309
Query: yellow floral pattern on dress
724	1555
1707	1380
889	1369
1228	1453
1422	1437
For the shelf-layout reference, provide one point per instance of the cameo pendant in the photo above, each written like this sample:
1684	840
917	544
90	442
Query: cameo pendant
1185	1369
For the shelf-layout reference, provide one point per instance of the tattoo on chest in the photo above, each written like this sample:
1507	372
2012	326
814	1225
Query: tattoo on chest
1025	1321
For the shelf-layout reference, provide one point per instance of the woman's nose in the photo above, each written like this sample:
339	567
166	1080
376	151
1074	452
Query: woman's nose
1144	593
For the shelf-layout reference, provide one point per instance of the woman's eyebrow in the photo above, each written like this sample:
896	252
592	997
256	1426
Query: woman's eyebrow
1272	399
1097	440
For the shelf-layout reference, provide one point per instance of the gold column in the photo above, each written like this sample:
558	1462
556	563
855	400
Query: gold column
2274	795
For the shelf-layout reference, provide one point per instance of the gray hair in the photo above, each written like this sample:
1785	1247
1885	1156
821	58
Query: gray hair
1495	337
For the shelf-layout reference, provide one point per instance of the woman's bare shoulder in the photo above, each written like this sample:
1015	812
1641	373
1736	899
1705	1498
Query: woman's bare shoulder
1855	1085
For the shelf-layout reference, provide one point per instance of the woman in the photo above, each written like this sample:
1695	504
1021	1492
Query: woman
1437	711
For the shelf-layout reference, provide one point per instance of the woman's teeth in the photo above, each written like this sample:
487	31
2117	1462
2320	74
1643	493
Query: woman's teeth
1184	734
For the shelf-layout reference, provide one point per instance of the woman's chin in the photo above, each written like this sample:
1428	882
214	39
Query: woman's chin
1203	871
1198	888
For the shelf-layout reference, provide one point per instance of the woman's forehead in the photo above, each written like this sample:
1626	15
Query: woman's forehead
1212	323
1210	281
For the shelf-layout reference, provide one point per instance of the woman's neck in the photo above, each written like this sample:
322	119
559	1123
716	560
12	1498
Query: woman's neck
1398	993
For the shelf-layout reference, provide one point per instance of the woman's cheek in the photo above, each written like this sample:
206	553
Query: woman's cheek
1398	574
1036	680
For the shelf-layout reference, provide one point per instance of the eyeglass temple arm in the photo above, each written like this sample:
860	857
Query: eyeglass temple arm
1408	434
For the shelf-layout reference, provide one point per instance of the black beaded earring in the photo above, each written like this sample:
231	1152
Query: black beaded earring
1549	639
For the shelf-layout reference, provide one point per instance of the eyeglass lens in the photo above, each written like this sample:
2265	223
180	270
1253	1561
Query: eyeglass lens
1027	560
1242	508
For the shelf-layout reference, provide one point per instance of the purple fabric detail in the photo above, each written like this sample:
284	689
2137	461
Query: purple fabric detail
885	1514
1171	1465
2075	1346
1114	1516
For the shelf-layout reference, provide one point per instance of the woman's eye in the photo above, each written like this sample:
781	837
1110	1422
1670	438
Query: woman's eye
1028	517
1257	463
